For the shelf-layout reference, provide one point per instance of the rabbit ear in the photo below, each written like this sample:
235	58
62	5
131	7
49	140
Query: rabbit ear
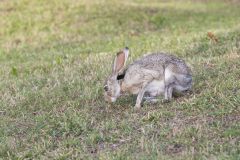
120	60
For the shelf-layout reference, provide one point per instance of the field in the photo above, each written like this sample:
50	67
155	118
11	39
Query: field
55	56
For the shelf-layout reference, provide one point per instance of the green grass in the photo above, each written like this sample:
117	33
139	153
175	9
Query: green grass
55	56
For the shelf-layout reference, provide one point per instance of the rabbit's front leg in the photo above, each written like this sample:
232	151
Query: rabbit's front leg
139	98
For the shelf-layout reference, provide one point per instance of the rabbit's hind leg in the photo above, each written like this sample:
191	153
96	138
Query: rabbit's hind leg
168	92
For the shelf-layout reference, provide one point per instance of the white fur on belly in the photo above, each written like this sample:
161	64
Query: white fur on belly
155	88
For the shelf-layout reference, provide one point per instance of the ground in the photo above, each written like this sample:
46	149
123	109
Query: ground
55	56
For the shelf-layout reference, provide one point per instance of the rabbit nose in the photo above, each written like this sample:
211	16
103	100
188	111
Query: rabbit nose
109	99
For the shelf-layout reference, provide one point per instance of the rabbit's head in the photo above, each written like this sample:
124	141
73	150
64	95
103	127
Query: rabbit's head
112	86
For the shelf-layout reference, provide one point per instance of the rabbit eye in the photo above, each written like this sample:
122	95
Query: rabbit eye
105	88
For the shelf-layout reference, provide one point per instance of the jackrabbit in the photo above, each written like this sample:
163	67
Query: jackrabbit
153	74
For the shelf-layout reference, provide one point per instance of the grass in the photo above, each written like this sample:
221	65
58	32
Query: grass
54	58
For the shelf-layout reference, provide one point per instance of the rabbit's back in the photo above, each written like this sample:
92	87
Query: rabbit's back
159	61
